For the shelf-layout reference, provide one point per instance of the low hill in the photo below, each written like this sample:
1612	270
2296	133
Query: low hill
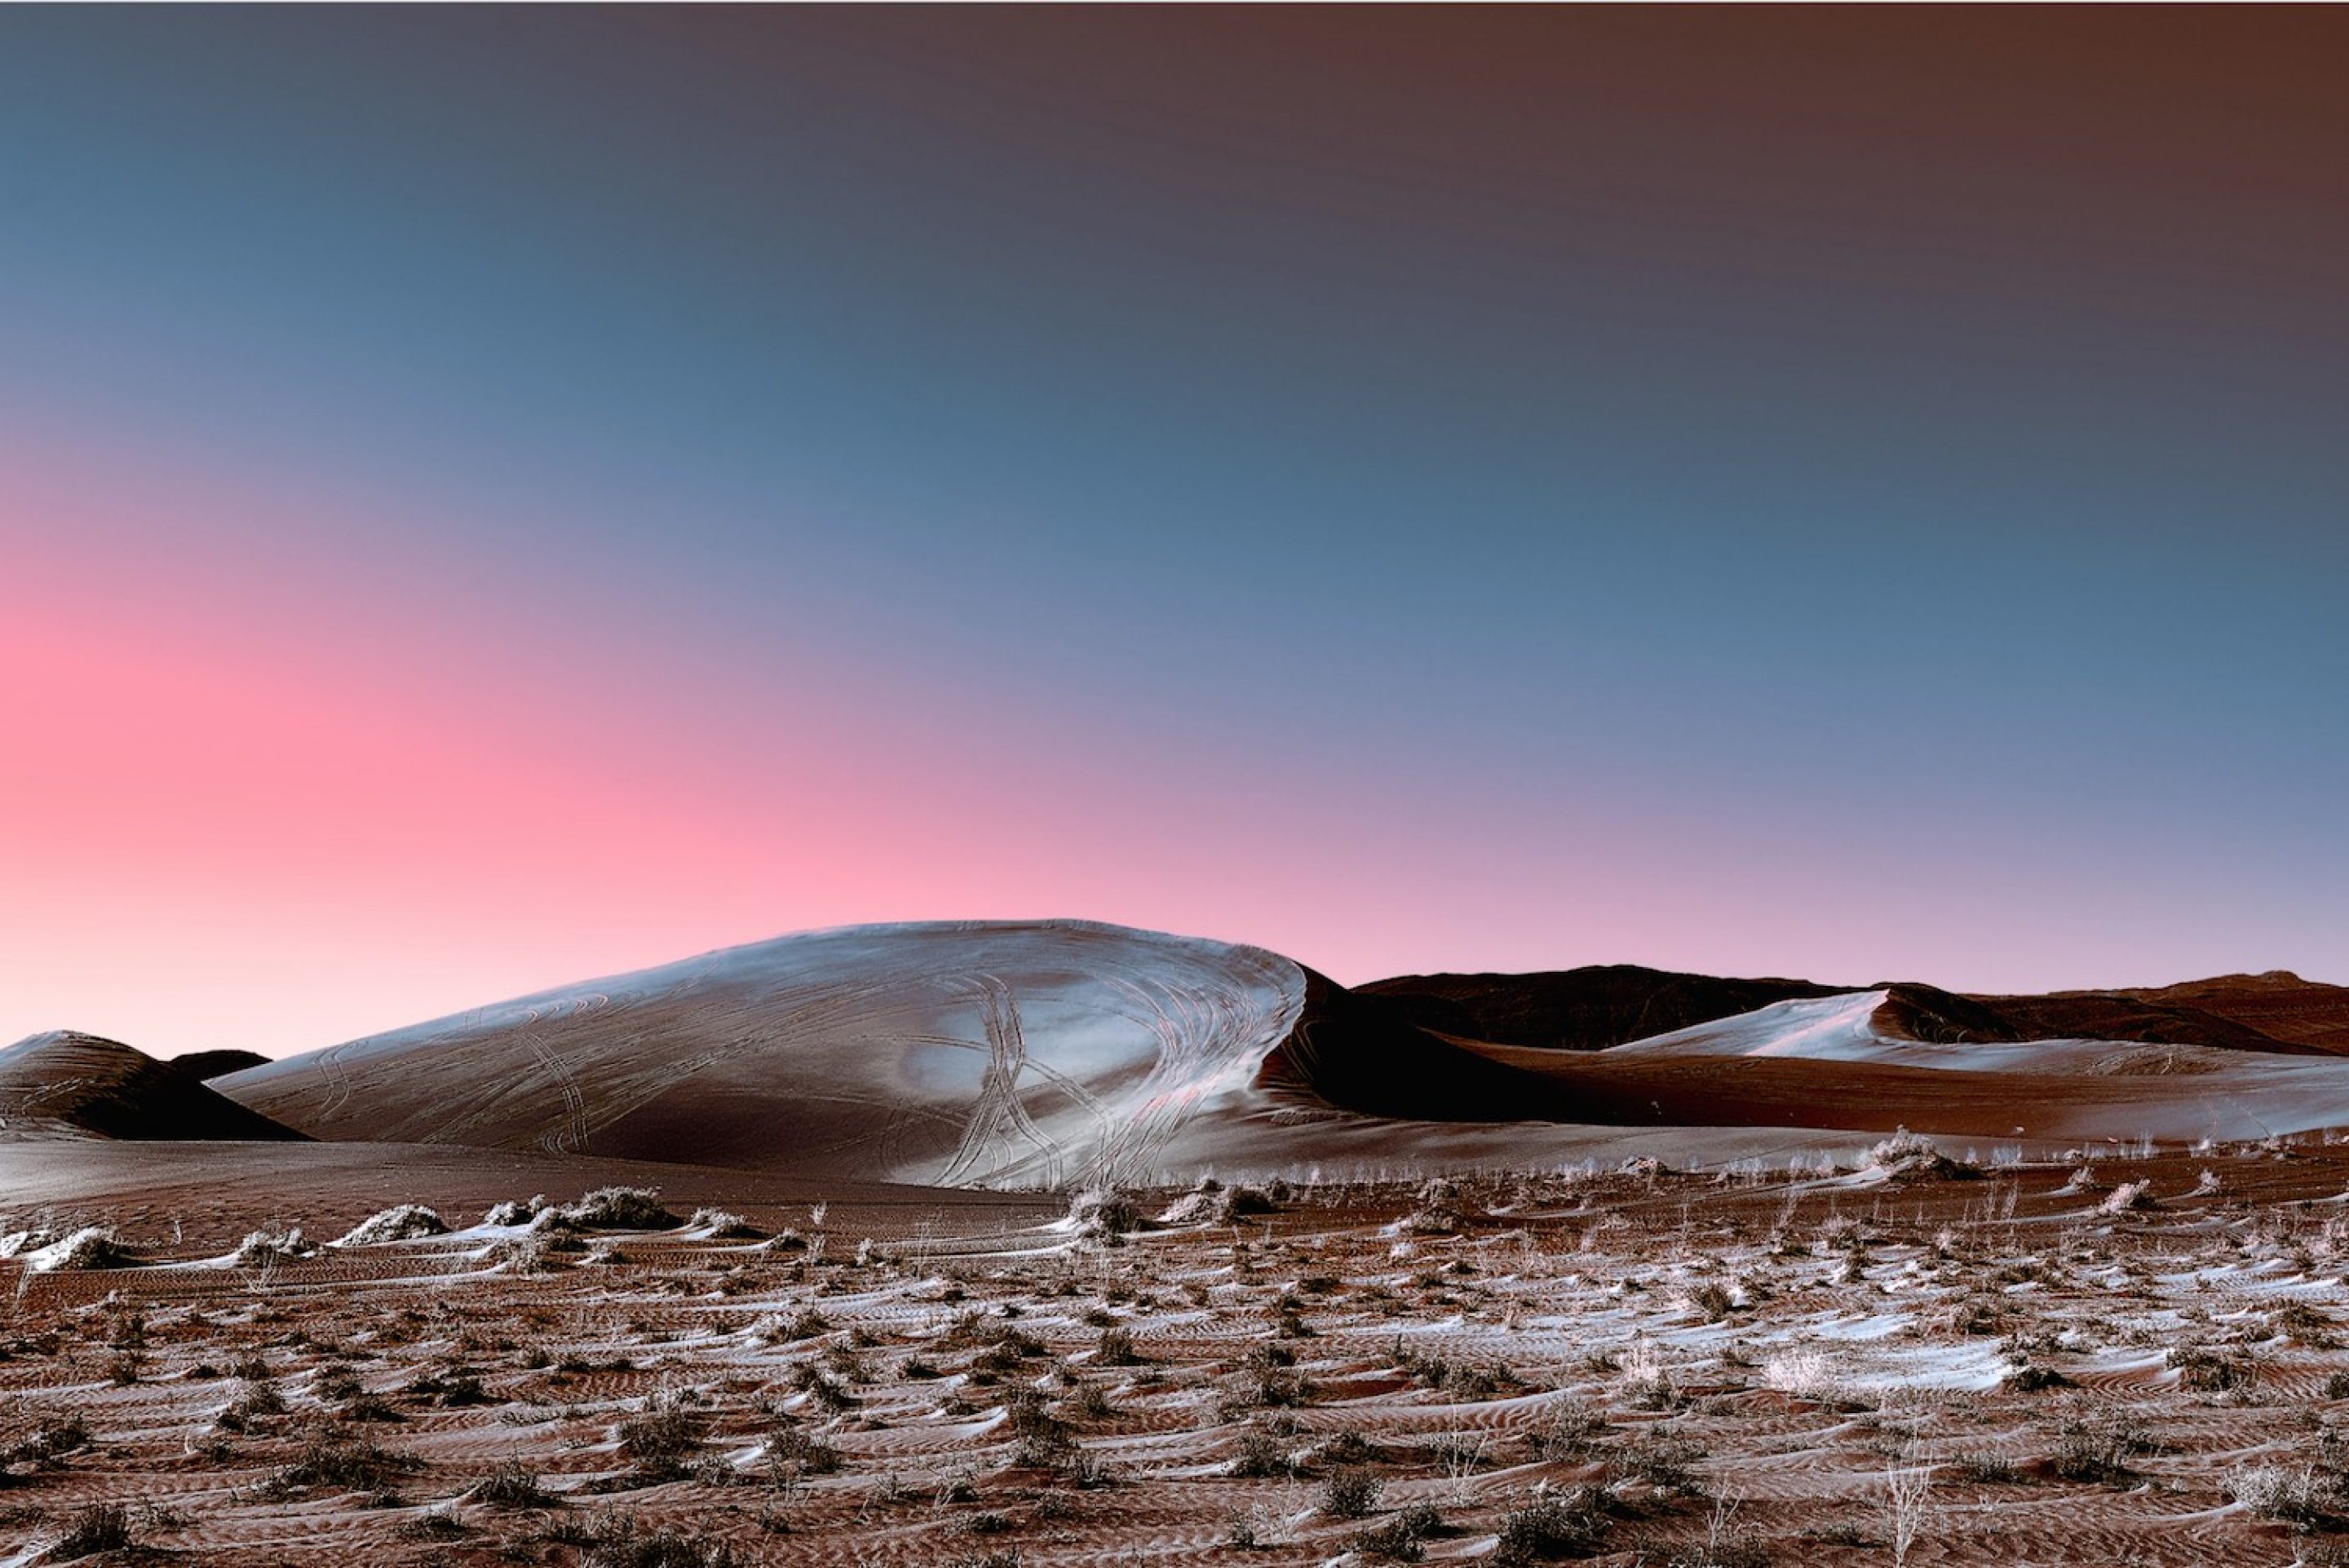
2278	1003
82	1084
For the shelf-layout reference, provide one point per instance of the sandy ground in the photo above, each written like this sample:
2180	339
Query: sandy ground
2055	1366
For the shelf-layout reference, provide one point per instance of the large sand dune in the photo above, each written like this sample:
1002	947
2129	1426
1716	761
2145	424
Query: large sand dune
1058	1053
949	1053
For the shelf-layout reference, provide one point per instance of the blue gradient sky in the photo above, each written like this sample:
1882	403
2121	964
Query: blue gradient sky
1850	493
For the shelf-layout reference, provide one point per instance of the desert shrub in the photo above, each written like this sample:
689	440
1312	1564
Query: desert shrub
823	1387
1213	1203
256	1398
401	1223
535	1251
2205	1370
2033	1379
100	1526
511	1485
2294	1495
48	1442
91	1247
1554	1525
1738	1549
1042	1438
617	1540
806	1324
365	1406
1403	1539
664	1433
1713	1300
1907	1153
434	1524
1263	1380
1985	1469
619	1208
1261	1456
1664	1460
265	1249
2099	1447
1351	1492
2127	1197
451	1388
801	1452
1103	1211
1117	1348
517	1211
724	1224
1438	1213
342	1463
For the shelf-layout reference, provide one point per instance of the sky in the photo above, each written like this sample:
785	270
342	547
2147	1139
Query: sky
489	498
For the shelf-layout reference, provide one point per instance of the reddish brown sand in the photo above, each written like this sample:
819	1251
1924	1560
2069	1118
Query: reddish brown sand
2087	1372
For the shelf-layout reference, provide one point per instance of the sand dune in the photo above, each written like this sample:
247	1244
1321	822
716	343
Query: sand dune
1059	1053
63	1083
951	1054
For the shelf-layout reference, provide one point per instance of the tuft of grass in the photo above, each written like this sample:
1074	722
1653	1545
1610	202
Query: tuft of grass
512	1486
664	1433
100	1526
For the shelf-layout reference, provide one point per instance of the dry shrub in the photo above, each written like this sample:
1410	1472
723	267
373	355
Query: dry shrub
401	1223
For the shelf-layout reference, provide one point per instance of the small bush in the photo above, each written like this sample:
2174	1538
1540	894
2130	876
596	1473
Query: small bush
1101	1213
724	1224
2098	1447
662	1435
1261	1456
1213	1203
1553	1526
516	1211
617	1540
1351	1492
511	1485
2294	1496
401	1223
91	1247
265	1249
1907	1153
797	1451
343	1464
620	1209
1985	1469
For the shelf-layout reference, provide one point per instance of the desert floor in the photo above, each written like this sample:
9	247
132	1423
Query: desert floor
2135	1358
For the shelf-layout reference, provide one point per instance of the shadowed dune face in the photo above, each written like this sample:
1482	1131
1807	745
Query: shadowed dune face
74	1084
963	1054
204	1066
1583	1009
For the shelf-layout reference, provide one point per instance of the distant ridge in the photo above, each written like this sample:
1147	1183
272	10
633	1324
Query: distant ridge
1600	1005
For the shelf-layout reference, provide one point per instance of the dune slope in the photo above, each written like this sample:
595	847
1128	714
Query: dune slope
954	1054
82	1085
